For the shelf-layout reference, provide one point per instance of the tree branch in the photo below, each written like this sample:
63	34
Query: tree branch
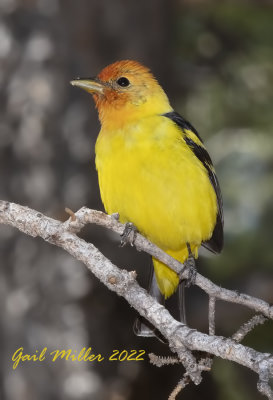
182	339
212	302
85	216
248	326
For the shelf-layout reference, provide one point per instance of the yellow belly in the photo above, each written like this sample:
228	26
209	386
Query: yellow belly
151	178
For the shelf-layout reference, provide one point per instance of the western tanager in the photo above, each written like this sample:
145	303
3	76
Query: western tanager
153	167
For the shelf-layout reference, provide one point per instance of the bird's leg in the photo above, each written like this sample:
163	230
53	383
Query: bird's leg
129	234
190	265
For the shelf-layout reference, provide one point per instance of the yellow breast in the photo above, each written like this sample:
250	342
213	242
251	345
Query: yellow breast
151	178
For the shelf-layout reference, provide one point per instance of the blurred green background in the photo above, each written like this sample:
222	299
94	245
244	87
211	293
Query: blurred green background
215	60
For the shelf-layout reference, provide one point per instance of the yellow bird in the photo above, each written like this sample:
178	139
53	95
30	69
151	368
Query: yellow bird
153	167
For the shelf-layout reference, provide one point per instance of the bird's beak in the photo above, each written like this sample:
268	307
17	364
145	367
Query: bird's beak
90	85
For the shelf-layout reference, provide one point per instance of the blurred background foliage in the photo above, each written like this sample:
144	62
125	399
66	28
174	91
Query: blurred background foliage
215	60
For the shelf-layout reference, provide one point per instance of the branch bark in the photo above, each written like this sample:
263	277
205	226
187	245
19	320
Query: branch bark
182	339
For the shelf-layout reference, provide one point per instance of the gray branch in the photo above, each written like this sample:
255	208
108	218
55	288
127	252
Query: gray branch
212	302
182	339
248	326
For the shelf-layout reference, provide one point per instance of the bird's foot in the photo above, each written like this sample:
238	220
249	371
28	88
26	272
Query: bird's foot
191	267
190	264
128	235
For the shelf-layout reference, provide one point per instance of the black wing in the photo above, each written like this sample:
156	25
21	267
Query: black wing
215	243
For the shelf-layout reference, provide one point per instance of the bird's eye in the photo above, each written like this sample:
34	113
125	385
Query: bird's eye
123	81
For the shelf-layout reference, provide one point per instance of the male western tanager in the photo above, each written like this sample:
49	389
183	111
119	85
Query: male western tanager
153	167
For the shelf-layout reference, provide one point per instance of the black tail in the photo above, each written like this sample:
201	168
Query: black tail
144	328
182	302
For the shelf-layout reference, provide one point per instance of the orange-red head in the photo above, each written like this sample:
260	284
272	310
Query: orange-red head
124	91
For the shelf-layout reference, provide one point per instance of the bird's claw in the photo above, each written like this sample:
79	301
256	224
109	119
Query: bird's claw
128	235
190	266
192	271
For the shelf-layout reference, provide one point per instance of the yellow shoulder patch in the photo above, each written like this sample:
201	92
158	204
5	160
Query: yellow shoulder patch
191	135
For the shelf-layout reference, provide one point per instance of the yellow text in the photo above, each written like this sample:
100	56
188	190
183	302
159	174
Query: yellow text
19	356
83	355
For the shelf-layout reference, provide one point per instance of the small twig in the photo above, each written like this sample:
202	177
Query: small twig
180	386
70	213
159	361
212	302
247	327
204	364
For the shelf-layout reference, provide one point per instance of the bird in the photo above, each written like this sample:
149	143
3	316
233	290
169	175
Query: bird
154	170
